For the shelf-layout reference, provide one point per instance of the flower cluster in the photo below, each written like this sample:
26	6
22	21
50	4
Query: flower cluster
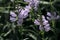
45	19
53	15
46	25
24	12
33	3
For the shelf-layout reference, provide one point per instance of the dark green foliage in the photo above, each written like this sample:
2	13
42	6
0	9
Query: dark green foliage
28	30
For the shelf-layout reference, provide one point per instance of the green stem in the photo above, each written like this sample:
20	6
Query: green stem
52	10
43	36
21	2
40	18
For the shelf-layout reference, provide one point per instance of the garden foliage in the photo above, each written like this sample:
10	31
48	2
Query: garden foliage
29	19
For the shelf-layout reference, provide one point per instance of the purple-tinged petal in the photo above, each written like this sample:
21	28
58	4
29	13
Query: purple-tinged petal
12	19
36	22
49	14
45	22
20	21
47	28
41	28
58	17
23	14
13	14
48	18
43	17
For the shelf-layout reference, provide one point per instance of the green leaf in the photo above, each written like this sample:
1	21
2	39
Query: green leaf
32	36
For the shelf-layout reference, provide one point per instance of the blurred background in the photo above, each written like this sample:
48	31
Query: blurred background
27	29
